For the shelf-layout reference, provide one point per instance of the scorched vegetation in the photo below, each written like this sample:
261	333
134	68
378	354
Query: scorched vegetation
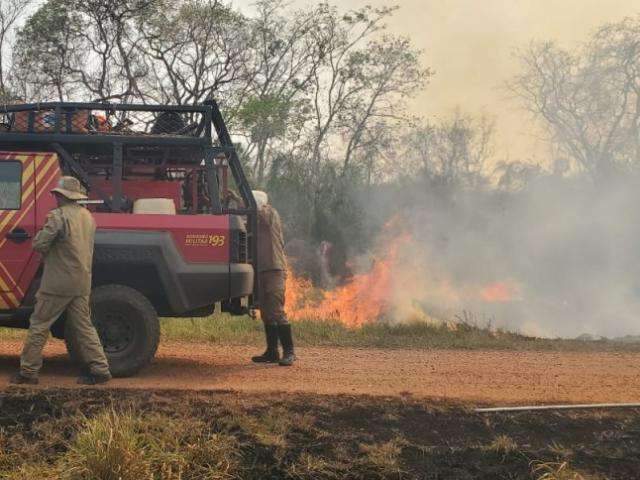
169	436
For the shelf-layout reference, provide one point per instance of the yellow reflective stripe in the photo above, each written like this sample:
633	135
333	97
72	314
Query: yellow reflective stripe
26	176
10	278
3	285
33	201
13	301
27	193
28	171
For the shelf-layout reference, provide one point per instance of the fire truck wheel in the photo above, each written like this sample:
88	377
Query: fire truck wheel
128	327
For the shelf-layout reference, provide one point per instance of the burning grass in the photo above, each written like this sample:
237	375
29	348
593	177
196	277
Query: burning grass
394	282
362	300
103	435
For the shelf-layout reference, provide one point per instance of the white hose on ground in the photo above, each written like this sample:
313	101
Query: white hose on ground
557	407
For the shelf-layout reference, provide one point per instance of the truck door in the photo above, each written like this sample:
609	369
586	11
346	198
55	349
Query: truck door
17	223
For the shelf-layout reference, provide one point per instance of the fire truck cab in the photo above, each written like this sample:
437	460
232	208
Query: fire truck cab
167	243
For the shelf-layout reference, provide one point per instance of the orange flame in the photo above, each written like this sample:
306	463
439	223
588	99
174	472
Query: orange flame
392	282
364	299
499	292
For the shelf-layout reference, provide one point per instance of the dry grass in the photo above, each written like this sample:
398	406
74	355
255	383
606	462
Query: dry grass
123	445
185	449
560	450
33	471
273	426
554	471
310	466
108	447
503	445
382	460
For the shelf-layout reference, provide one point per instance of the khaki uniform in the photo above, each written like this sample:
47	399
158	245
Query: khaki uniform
272	266
270	241
66	243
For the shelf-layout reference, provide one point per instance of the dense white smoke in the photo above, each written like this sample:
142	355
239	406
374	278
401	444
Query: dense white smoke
560	258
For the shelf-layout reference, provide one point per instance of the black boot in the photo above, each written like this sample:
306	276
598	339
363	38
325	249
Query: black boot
19	379
93	379
288	357
271	354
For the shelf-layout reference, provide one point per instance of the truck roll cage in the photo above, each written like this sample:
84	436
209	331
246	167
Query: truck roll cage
113	141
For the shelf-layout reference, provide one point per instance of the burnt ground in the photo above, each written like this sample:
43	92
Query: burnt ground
297	435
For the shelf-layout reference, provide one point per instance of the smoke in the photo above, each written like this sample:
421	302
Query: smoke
470	46
559	258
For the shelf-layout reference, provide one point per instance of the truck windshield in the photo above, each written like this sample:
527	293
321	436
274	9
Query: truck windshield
10	185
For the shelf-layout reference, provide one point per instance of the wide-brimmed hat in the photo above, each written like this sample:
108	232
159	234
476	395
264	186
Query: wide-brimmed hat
260	197
71	188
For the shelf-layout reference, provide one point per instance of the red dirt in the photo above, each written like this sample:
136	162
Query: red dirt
466	376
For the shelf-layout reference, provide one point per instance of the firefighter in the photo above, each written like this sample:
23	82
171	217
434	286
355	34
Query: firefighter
271	276
66	244
272	266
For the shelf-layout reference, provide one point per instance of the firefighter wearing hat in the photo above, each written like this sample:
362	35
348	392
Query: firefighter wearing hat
66	245
272	276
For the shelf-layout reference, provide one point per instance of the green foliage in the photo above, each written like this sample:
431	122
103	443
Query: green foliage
45	47
265	117
219	328
227	330
289	193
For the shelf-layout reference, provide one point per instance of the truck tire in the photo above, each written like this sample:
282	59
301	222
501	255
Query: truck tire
128	327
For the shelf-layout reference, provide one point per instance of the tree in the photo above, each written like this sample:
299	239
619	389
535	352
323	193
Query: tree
338	82
588	99
453	153
389	71
360	84
45	46
10	12
107	30
285	55
83	49
194	50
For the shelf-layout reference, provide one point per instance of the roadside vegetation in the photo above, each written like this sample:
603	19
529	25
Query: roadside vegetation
464	334
129	435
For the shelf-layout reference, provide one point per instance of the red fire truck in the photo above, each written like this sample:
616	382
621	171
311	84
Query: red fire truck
167	244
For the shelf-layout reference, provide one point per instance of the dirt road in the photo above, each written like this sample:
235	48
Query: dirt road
468	376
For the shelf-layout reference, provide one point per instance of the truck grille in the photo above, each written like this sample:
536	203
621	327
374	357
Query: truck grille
239	247
242	250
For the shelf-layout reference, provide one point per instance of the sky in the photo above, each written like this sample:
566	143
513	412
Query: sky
471	43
